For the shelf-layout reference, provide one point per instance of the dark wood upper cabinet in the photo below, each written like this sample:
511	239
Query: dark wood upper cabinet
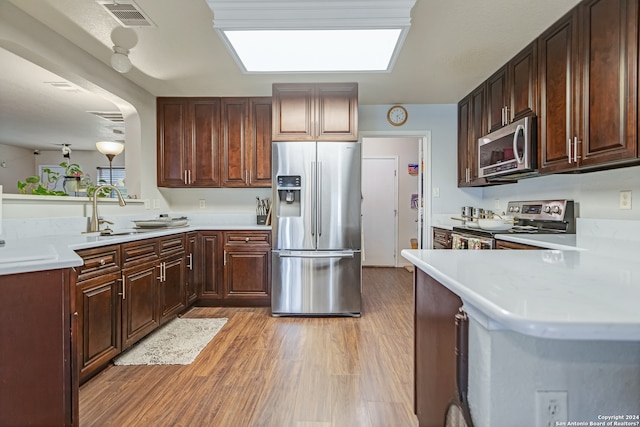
463	141
609	60
260	117
497	99
315	112
172	142
471	126
588	88
512	90
246	142
235	112
214	142
523	83
204	136
188	142
558	72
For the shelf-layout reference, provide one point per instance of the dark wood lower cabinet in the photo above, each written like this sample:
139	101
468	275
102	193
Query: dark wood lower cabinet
139	302
209	264
38	382
435	343
235	268
99	327
192	285
172	286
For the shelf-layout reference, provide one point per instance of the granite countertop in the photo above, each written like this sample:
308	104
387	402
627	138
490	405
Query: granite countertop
58	251
586	287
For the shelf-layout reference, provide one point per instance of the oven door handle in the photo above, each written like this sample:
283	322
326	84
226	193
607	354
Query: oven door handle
515	143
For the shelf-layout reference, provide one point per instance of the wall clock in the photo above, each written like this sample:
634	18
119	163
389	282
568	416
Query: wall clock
397	115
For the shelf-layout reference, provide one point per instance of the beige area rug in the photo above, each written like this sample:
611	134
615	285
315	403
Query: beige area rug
177	343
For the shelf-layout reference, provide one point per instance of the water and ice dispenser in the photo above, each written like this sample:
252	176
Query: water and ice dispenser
289	187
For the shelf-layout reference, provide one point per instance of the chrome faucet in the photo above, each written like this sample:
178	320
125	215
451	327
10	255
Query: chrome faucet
95	220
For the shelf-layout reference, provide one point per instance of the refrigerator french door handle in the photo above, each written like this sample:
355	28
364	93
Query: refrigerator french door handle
349	254
319	199
314	200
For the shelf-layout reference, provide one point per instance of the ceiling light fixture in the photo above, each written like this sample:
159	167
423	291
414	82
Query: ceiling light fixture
313	35
123	40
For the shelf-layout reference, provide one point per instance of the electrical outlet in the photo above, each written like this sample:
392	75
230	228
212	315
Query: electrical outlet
625	199
201	204
551	408
436	192
156	204
496	204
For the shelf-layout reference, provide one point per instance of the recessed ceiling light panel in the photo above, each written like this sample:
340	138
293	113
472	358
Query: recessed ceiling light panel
313	36
314	51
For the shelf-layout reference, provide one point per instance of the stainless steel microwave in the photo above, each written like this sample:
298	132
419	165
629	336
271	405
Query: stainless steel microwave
509	152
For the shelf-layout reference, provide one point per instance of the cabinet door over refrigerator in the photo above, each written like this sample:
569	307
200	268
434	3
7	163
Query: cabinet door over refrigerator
339	195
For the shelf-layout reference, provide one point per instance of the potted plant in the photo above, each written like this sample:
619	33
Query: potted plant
75	180
42	187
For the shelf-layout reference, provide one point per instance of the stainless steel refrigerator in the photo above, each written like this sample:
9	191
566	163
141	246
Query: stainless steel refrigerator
316	227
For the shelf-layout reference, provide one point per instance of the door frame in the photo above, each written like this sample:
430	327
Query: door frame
425	240
396	253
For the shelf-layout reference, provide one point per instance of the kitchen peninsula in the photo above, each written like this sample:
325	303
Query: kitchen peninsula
561	320
55	288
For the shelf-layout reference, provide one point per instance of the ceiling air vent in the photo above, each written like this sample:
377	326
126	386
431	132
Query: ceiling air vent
112	116
127	13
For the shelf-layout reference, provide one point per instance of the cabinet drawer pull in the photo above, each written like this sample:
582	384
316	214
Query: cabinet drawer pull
124	288
246	239
102	261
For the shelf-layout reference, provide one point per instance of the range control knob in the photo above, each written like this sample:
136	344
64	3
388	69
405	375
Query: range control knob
547	209
516	209
556	209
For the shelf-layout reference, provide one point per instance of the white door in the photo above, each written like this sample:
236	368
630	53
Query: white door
379	210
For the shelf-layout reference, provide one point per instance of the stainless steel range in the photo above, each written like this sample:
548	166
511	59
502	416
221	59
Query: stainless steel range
538	216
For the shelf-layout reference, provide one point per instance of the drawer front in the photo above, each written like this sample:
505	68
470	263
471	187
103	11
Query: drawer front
171	244
253	238
141	251
98	261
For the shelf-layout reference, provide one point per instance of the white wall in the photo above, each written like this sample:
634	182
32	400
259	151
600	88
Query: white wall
15	165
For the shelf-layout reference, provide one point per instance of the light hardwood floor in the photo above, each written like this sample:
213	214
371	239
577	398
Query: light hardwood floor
277	372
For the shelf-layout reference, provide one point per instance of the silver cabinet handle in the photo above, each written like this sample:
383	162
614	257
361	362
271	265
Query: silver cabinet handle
189	176
184	178
162	268
124	288
190	265
575	149
569	150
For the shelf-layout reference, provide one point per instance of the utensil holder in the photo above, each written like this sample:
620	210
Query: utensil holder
261	219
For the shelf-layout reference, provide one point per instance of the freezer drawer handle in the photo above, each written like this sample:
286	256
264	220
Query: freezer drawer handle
318	255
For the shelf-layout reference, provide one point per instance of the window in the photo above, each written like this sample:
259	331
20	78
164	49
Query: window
105	175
